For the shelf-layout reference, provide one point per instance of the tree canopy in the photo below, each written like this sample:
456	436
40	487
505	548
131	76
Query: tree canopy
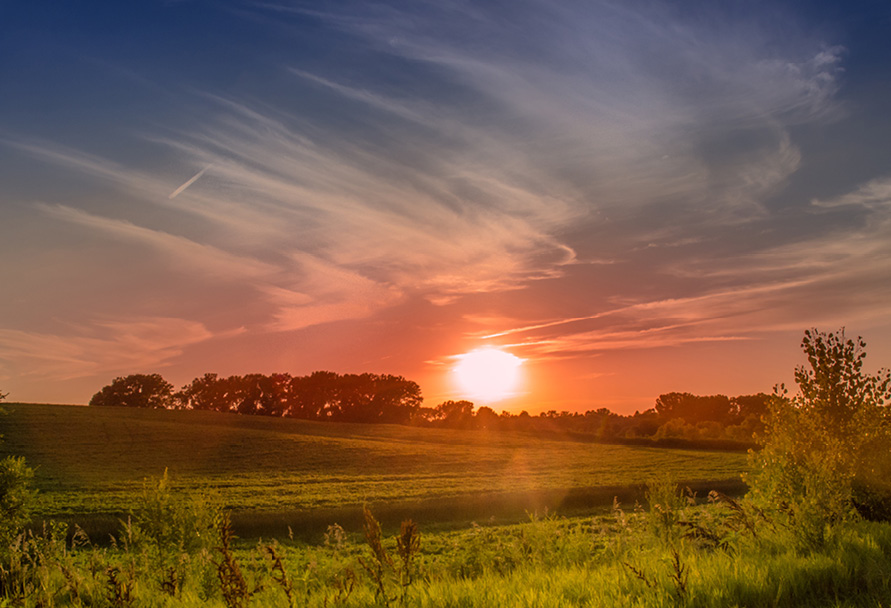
320	396
136	390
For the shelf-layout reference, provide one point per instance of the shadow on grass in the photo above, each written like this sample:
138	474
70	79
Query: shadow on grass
447	512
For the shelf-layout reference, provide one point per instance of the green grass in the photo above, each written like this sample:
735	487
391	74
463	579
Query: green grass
604	561
94	460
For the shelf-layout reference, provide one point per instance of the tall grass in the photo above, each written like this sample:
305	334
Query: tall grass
613	560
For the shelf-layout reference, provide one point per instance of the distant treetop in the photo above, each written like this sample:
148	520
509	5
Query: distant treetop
136	390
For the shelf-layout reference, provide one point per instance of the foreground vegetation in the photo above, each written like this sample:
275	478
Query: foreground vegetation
726	553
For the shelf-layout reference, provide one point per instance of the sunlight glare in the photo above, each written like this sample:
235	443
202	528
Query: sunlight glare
488	374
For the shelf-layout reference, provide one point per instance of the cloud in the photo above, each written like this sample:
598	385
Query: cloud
108	346
615	98
835	274
180	251
476	154
444	227
83	162
874	195
137	186
327	293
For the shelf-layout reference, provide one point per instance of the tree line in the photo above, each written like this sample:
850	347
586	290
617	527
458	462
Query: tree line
321	395
384	398
674	417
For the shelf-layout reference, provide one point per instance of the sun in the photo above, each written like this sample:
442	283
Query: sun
488	374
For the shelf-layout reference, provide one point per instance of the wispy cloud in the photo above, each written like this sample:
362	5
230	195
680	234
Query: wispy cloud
875	195
835	275
326	293
90	164
182	252
467	183
108	346
620	94
444	226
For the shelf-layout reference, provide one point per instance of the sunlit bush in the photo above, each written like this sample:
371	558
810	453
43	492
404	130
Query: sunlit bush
15	499
821	444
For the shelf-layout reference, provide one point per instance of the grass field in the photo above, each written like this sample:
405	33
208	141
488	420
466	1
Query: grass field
174	549
94	460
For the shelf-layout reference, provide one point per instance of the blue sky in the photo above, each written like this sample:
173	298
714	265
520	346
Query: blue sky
634	197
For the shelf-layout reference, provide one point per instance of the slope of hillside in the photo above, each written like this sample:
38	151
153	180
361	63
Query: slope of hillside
91	460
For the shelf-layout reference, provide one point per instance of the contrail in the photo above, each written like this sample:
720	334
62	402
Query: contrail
194	179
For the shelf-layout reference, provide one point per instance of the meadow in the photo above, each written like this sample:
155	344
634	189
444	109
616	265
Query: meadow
174	551
91	460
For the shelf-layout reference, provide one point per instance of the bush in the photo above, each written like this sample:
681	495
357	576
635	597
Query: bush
15	499
822	444
667	503
170	523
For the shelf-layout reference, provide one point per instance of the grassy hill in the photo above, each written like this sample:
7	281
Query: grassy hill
95	460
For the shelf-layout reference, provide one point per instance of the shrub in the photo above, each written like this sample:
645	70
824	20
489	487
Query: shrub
825	441
171	525
15	499
666	502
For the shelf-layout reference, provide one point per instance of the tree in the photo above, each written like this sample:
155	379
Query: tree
829	439
423	416
258	394
354	399
205	393
136	390
694	408
751	405
486	418
455	414
312	396
395	399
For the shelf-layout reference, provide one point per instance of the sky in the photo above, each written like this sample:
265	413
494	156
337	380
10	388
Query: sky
633	197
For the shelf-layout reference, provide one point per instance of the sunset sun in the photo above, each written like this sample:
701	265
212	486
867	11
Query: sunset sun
488	374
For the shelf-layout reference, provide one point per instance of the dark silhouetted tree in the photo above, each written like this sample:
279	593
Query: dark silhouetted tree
354	396
313	396
373	398
455	414
395	399
752	405
695	408
136	390
209	392
423	416
258	394
486	418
